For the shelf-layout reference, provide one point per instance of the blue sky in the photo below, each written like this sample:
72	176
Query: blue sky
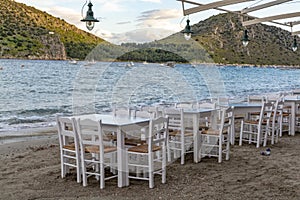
140	20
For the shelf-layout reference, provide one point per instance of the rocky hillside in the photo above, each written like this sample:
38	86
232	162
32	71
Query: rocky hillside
221	36
26	32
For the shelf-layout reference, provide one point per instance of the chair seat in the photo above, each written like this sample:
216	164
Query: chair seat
128	141
174	133
255	113
286	114
70	147
212	132
203	128
239	117
95	149
143	148
134	141
251	122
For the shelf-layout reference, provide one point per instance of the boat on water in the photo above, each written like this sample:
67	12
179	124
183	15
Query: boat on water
170	64
130	64
73	62
89	63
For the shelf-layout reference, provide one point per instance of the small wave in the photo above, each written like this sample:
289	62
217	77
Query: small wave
41	111
16	120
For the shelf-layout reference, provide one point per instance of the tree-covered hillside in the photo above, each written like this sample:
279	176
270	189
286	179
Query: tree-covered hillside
26	32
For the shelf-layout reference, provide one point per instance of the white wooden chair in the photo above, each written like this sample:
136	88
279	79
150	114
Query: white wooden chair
215	142
256	99
256	131
69	146
151	157
131	139
180	136
93	150
205	122
184	105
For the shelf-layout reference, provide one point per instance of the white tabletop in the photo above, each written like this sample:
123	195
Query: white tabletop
292	99
113	120
200	110
245	104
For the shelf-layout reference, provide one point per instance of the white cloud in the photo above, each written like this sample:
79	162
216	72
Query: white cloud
158	18
152	1
136	36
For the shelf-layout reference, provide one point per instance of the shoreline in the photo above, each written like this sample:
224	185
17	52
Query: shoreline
28	134
279	66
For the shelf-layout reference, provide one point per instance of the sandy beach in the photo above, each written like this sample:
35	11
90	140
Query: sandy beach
31	170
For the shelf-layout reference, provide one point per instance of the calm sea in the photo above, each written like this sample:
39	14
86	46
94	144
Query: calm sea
32	93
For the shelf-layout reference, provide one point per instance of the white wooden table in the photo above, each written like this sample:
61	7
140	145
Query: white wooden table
292	101
119	125
196	114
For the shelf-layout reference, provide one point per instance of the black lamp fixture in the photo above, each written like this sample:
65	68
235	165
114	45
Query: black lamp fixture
187	30
89	18
295	46
245	38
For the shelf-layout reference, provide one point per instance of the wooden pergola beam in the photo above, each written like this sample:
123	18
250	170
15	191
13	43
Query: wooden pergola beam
211	5
262	6
199	4
224	10
271	18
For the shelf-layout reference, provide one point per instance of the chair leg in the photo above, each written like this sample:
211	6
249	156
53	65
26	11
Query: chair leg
151	169
227	149
84	177
164	163
62	165
102	180
78	168
220	149
241	133
169	151
266	137
182	149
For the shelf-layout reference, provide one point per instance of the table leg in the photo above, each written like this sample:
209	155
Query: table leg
122	160
293	110
196	137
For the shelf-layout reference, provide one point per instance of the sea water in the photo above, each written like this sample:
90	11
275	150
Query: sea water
33	92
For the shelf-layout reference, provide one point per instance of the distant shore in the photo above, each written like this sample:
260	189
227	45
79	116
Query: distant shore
193	63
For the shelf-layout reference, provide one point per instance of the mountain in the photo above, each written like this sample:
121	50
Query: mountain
221	35
26	32
215	40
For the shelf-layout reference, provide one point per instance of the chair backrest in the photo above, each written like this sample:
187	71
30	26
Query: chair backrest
158	132
278	110
184	105
123	111
222	101
207	105
67	132
144	114
296	92
266	113
90	134
176	118
226	119
256	99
